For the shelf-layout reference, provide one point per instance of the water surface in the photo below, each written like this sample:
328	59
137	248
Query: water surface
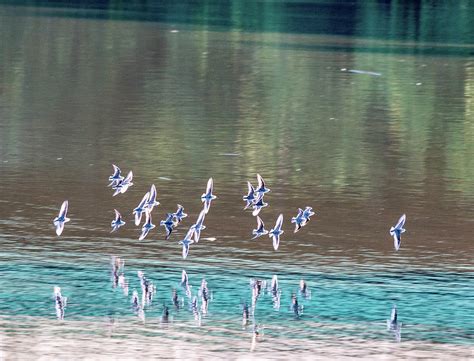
179	99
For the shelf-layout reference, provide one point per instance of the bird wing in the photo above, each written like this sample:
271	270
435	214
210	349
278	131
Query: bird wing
401	222
261	182
63	210
59	228
279	222
210	186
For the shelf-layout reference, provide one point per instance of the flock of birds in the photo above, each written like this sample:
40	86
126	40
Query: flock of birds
254	199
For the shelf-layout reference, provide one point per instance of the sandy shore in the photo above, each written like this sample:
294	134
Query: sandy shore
102	339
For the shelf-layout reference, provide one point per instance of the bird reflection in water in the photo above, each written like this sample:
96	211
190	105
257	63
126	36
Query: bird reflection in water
304	290
118	275
205	296
295	306
60	303
393	325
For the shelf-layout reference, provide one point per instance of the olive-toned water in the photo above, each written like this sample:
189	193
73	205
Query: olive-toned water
181	94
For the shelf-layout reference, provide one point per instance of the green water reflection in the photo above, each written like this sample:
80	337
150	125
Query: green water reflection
279	101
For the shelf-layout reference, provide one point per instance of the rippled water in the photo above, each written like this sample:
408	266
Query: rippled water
178	101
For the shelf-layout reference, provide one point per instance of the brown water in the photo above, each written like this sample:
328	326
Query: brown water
179	103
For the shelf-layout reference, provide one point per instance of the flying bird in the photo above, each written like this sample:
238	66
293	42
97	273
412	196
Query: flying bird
117	222
260	230
123	185
179	214
138	211
276	231
116	177
258	204
152	202
187	241
208	197
199	225
299	220
169	223
61	218
148	226
397	230
261	188
308	213
250	197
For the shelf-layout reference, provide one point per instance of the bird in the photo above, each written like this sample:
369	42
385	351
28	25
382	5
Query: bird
124	184
187	241
152	202
61	218
258	204
299	220
199	226
261	188
116	176
308	212
117	222
208	197
138	210
148	226
250	197
179	214
276	231
260	230
169	223
397	230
